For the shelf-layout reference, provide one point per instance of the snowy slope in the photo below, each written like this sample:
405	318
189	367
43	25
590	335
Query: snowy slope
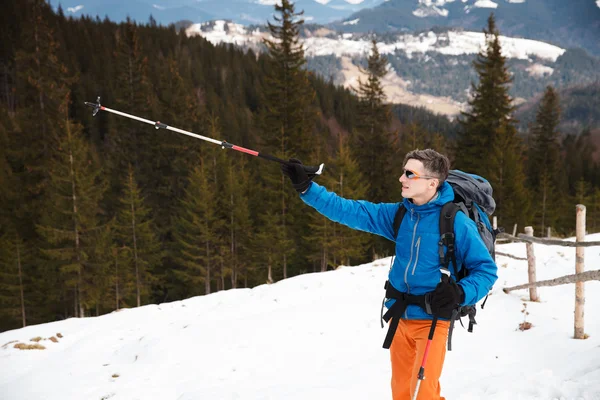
315	336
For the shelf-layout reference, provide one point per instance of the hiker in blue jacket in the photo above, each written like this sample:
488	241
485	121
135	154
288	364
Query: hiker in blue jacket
415	281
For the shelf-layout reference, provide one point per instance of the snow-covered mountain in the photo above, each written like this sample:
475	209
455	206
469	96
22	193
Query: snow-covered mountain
242	11
572	23
350	48
315	336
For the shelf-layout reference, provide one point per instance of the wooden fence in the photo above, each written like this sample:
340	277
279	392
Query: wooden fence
578	278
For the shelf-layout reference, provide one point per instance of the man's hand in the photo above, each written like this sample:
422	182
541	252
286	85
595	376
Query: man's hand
446	297
296	172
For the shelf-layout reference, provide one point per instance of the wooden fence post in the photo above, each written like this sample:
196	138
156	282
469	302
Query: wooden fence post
579	267
515	230
533	295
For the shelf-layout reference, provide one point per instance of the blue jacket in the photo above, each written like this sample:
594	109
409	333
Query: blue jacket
416	267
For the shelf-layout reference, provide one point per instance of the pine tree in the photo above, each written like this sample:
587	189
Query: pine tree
196	230
288	97
343	245
286	122
70	225
488	144
238	222
13	261
136	235
489	108
545	173
594	212
373	142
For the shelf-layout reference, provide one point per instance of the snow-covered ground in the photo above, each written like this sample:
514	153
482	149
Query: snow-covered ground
315	336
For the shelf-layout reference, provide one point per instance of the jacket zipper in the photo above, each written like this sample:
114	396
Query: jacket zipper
412	248
418	246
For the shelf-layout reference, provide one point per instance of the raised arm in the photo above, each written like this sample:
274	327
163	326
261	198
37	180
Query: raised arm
357	214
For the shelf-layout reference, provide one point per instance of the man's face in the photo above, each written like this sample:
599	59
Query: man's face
421	184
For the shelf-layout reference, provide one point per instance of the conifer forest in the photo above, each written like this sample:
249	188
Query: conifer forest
102	212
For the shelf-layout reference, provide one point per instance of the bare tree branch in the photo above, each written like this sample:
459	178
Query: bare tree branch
554	242
583	277
499	253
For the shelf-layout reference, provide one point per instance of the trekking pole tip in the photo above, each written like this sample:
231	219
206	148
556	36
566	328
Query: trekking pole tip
96	106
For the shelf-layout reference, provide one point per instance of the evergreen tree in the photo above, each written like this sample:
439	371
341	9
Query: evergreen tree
286	122
545	172
349	244
196	230
238	223
70	225
488	144
288	96
489	108
13	261
373	142
136	235
594	212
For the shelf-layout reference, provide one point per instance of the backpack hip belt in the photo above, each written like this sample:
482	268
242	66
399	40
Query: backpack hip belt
403	300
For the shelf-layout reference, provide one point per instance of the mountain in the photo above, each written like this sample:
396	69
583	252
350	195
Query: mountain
314	336
242	11
573	23
431	69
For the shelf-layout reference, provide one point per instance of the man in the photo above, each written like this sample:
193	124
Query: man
415	279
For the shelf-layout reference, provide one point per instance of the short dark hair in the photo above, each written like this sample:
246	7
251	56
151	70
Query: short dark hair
435	163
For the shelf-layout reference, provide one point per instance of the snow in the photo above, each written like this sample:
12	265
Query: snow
314	336
539	70
268	2
458	43
485	4
323	1
79	7
598	3
354	2
355	21
450	43
430	12
518	1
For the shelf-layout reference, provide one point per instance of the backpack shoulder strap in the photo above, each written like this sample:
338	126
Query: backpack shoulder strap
447	216
398	219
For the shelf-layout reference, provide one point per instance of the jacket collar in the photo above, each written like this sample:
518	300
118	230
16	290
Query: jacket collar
444	195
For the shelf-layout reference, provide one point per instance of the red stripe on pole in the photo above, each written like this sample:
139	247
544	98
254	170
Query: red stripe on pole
426	352
102	108
245	150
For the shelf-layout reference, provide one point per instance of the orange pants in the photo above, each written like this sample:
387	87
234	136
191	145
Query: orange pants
406	353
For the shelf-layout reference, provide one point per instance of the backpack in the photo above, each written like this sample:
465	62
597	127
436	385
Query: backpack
472	196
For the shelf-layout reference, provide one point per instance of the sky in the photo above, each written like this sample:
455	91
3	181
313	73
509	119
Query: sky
314	336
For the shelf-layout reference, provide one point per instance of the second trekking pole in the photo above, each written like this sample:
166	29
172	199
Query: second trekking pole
421	375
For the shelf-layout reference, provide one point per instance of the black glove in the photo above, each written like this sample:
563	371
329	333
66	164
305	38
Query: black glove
446	297
297	173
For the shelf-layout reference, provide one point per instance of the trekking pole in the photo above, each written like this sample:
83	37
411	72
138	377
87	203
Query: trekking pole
224	144
421	375
445	278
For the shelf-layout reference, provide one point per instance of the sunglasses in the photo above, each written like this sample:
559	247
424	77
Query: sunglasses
413	175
